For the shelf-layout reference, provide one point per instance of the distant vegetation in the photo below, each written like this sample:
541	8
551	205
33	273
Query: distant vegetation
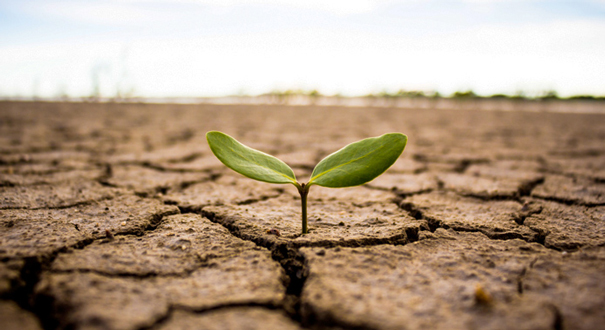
462	95
293	96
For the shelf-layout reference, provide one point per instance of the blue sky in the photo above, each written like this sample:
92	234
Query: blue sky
212	47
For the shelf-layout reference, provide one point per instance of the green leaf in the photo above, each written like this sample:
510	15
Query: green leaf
359	162
250	162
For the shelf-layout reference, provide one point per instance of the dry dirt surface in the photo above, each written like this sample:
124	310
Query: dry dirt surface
118	216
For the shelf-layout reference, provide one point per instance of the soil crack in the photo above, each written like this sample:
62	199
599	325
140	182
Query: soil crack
31	272
417	214
558	321
206	261
527	187
526	211
175	307
289	258
263	198
160	168
567	201
523	274
62	207
287	253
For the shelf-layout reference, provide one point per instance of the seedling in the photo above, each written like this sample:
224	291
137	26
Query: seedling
353	165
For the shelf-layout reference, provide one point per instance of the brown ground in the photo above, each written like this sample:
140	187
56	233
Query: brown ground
119	217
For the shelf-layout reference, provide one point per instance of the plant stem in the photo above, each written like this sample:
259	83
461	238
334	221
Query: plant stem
304	190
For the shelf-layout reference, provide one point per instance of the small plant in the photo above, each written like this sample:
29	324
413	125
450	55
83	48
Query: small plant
353	165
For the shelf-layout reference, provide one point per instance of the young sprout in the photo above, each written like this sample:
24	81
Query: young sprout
353	165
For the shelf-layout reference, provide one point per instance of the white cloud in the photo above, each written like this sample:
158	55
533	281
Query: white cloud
95	12
147	11
336	6
567	55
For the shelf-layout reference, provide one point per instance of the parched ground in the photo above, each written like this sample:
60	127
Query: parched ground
118	216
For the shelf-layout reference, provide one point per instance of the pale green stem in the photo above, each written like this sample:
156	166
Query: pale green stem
304	190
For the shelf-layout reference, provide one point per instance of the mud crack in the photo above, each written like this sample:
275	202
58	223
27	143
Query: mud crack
567	201
417	214
527	187
558	321
162	320
526	211
523	274
289	258
23	293
263	198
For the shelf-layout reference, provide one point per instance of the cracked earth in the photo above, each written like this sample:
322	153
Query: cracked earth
118	216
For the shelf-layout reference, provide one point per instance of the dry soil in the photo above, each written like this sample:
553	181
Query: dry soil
118	216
